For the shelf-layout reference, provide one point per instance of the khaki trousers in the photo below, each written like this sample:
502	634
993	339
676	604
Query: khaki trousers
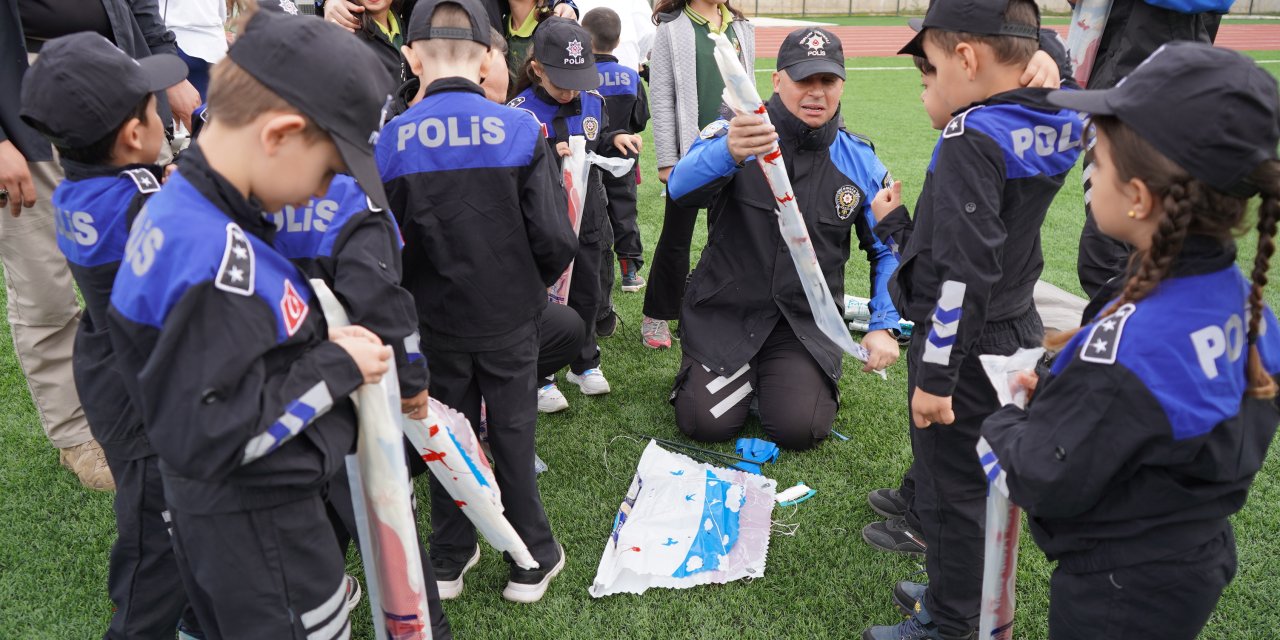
43	311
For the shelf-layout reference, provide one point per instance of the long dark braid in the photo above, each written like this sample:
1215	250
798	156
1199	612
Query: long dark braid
1267	178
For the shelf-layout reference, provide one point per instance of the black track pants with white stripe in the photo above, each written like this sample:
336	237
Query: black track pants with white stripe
797	401
269	574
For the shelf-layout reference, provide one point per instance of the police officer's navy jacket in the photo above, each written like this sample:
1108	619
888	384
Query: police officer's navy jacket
223	348
483	214
355	249
745	280
1140	442
972	255
584	116
624	94
94	207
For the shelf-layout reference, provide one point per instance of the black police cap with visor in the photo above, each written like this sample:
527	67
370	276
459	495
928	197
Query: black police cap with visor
810	51
1214	112
345	97
563	48
82	87
978	17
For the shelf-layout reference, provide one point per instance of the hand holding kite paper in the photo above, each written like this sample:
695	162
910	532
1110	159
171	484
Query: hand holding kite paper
741	96
383	503
576	171
1000	562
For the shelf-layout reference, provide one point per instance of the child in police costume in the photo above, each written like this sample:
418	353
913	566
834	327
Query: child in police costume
482	213
242	388
97	106
747	331
628	107
970	259
1147	432
557	85
900	531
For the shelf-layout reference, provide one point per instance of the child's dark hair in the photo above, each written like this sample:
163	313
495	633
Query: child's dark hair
527	77
1008	49
605	28
1191	207
673	6
99	151
922	63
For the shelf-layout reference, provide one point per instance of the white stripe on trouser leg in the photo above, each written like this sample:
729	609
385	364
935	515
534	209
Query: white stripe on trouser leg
733	399
325	611
719	383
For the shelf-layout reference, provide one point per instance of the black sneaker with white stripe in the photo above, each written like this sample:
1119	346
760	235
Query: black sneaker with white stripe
529	585
894	535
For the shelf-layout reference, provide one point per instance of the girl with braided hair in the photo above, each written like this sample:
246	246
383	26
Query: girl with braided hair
1148	430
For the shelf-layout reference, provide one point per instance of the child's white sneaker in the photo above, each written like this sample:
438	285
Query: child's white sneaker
550	400
591	382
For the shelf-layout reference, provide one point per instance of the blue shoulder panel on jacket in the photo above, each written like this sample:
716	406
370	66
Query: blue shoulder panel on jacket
856	159
1034	142
181	240
617	79
91	220
311	231
452	131
1188	352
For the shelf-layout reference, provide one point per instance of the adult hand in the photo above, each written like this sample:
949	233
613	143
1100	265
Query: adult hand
344	14
750	135
887	200
1041	73
183	100
628	142
664	173
928	409
415	407
882	348
564	10
15	178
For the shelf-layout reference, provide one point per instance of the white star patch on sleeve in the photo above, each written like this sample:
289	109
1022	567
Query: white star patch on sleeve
235	275
1103	344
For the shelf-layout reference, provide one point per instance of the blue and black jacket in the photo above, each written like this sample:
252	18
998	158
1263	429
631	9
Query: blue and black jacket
745	281
483	215
1140	442
94	208
223	348
624	96
355	249
584	116
971	256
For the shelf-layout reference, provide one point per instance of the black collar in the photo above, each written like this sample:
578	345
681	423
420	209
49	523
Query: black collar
453	84
606	57
1203	254
792	131
80	171
1033	98
222	194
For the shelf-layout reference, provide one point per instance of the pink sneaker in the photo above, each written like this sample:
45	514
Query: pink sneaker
655	333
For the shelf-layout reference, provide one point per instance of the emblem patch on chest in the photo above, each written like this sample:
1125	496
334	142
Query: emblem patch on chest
848	198
591	127
293	309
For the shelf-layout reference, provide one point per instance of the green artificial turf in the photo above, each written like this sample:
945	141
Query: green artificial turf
821	582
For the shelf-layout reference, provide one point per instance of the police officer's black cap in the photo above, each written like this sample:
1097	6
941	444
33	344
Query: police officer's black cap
563	48
344	96
420	22
979	17
82	87
1212	111
811	50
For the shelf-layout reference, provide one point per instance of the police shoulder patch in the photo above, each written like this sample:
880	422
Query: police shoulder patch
848	198
144	179
235	274
955	128
715	130
515	102
1103	343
